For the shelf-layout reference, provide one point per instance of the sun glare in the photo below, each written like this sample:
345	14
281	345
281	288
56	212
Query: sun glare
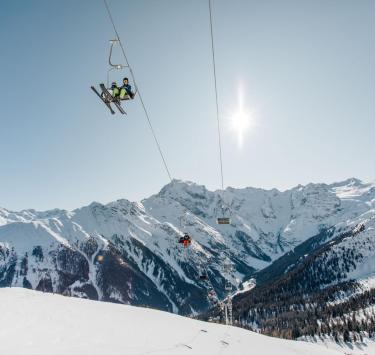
241	120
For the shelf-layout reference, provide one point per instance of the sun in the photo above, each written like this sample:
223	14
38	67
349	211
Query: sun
240	123
241	120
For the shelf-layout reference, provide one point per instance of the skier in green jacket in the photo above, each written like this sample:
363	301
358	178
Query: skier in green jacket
114	90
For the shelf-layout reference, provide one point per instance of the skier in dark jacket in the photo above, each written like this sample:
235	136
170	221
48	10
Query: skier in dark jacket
126	89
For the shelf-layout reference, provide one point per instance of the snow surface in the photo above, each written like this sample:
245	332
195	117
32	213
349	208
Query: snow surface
367	347
37	323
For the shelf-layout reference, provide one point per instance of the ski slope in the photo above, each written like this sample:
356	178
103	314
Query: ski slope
36	323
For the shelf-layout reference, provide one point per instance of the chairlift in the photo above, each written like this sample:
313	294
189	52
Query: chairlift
185	240
224	219
114	94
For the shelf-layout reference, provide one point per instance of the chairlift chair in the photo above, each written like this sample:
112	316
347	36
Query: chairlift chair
105	95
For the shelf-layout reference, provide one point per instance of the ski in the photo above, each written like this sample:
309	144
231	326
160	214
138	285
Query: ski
119	107
105	101
110	98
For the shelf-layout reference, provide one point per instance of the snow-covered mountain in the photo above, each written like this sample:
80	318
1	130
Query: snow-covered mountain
325	286
41	324
320	288
128	252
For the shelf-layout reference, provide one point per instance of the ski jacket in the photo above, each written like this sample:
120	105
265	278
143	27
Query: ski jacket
128	88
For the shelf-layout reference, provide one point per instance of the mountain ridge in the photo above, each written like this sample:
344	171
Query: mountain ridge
82	249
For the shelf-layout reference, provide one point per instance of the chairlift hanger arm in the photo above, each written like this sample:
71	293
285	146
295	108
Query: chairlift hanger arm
111	65
114	66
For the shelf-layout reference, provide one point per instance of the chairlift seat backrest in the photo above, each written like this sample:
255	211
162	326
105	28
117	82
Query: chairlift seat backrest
223	220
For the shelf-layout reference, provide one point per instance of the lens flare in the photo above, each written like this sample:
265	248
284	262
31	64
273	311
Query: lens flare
241	120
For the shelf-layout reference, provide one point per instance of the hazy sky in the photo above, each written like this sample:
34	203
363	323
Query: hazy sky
307	69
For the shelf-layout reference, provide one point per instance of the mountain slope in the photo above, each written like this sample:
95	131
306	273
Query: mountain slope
326	292
41	324
127	252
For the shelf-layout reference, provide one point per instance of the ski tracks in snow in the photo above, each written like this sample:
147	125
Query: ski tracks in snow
186	345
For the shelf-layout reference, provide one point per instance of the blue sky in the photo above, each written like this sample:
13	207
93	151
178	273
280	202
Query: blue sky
306	69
